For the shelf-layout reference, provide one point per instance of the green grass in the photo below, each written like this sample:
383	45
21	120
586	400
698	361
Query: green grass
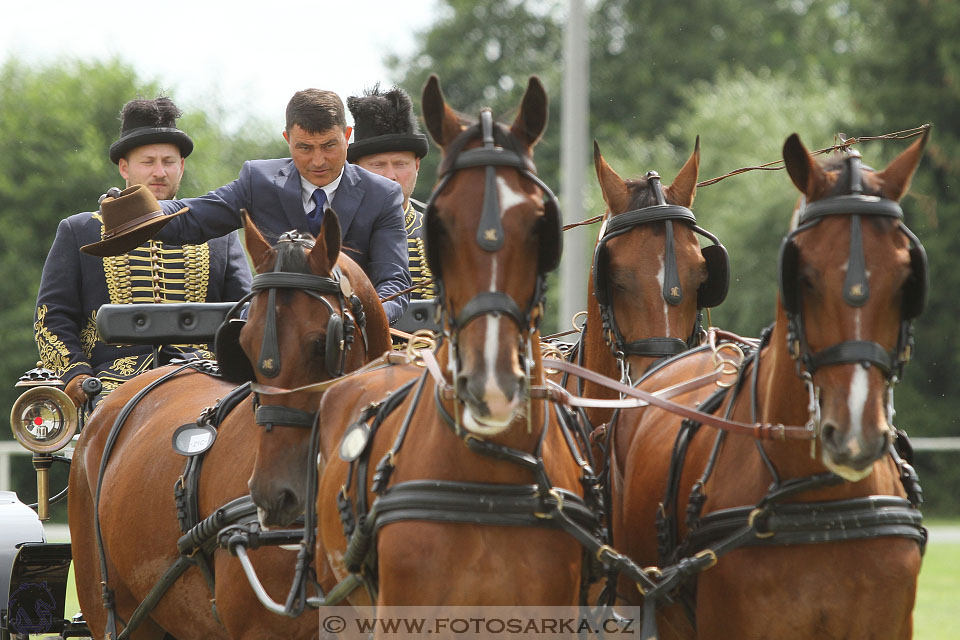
935	617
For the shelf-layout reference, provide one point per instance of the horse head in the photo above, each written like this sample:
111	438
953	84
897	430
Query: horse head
852	277
313	315
493	232
650	276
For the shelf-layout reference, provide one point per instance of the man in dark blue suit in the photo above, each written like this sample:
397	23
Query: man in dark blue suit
295	193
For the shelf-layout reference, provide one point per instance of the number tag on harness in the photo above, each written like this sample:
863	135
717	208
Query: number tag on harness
354	441
193	439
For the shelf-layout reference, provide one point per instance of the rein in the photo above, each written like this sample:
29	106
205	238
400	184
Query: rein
757	430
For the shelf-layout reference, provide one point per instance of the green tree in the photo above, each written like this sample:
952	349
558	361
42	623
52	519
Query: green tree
646	55
483	54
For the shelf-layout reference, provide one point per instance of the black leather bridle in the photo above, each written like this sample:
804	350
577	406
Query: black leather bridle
340	333
500	149
711	293
856	289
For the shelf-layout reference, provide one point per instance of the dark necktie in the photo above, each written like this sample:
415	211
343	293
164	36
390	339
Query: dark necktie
315	217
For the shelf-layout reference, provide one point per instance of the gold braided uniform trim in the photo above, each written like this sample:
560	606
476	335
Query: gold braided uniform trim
53	353
125	366
417	253
89	335
156	273
196	263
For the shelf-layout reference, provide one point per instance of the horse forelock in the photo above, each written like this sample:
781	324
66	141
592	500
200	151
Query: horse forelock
838	173
291	256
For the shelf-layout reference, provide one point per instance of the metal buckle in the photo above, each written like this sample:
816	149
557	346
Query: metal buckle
813	412
752	524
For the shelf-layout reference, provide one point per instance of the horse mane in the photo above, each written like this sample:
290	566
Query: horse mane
640	195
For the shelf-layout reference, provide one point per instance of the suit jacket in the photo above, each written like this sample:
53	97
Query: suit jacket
74	285
368	206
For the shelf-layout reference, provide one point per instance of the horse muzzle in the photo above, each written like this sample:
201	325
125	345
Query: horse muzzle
278	507
851	455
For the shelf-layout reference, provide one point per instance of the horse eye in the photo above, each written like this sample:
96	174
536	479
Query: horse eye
320	347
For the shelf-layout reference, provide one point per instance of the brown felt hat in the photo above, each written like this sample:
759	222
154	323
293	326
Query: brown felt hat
130	218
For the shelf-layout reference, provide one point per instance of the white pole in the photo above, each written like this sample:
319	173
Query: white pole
574	158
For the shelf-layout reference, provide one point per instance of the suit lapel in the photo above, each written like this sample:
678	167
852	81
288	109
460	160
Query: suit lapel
288	183
347	199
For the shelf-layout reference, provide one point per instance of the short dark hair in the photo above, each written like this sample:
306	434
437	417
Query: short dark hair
315	110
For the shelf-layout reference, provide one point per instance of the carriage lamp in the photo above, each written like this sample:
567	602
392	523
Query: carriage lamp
44	419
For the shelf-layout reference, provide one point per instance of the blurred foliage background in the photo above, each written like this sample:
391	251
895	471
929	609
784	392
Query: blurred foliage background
742	74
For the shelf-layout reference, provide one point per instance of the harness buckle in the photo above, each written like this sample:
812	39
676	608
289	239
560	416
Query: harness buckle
711	554
652	572
751	522
813	412
605	548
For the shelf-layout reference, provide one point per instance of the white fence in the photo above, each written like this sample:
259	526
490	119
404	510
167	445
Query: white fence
10	448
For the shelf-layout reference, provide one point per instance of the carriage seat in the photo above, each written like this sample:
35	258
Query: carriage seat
157	324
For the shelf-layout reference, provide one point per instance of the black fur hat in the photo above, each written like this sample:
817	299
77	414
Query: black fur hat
149	122
384	122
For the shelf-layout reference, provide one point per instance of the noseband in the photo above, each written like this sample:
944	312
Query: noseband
856	289
710	294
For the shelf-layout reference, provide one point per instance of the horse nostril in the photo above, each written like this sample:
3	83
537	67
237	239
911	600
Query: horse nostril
465	389
830	435
288	500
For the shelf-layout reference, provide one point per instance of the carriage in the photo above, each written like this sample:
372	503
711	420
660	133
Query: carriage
487	415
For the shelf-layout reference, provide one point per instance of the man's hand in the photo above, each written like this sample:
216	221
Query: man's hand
74	390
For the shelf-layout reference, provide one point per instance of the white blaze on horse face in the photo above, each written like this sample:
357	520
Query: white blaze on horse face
509	197
502	409
856	401
661	276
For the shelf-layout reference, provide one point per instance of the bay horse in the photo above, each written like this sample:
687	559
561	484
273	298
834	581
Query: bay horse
466	429
649	281
832	503
296	295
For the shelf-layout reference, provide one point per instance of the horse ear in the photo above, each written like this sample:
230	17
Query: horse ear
326	250
258	248
803	169
613	187
532	119
684	186
898	174
442	121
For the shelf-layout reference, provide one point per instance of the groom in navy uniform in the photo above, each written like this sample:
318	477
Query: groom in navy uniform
295	193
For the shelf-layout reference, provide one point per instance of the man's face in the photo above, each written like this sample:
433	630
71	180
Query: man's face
319	157
399	166
158	166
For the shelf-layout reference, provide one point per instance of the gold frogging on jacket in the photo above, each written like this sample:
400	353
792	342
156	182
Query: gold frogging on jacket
417	253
